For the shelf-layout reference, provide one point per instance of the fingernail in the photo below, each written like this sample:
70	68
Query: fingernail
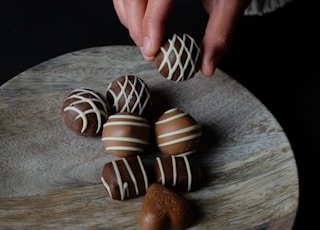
146	44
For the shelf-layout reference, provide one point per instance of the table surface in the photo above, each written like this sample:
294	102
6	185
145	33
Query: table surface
50	177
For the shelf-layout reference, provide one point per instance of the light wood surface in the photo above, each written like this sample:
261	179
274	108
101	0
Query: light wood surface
50	177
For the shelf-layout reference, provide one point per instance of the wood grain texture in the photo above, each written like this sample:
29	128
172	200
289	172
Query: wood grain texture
50	177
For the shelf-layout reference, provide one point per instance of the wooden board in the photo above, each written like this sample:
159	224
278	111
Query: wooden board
50	177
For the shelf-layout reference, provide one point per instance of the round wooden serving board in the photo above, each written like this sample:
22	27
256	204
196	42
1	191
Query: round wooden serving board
50	177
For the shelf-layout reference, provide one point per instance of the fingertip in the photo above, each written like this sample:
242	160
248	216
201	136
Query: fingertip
147	47
151	43
147	58
208	61
207	68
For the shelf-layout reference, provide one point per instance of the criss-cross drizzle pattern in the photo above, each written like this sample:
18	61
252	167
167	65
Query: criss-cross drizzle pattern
129	94
181	69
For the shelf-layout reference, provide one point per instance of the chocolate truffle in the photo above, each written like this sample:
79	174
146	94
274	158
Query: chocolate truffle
129	94
125	178
126	134
164	209
181	172
84	112
177	132
179	58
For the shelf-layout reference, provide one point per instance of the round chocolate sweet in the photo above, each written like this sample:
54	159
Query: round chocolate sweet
84	112
126	134
176	132
129	94
179	58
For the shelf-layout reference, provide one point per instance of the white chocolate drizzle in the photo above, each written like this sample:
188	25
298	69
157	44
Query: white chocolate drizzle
179	140
94	109
133	178
126	123
140	104
127	116
177	116
144	174
180	131
186	161
126	139
194	130
123	185
175	170
124	148
131	120
106	186
163	176
189	62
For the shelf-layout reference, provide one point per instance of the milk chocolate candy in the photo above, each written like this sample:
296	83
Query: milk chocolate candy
129	94
179	58
84	112
125	178
164	209
177	132
126	134
181	172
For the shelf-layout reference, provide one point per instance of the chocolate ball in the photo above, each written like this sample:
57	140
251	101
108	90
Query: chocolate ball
125	178
180	172
129	94
162	208
176	132
84	112
179	58
126	134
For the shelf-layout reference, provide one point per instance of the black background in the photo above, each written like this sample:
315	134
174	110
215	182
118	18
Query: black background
275	56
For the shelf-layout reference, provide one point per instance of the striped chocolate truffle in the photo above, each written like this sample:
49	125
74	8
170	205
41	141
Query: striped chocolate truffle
181	172
84	112
177	132
125	178
126	134
129	94
179	58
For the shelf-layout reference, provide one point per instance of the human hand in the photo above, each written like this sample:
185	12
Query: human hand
145	20
223	16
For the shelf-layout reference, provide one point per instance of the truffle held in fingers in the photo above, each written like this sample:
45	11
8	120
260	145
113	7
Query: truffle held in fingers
179	58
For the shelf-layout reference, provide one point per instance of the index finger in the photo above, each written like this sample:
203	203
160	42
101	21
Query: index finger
218	34
153	25
135	10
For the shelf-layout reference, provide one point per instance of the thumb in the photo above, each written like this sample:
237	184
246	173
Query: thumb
218	35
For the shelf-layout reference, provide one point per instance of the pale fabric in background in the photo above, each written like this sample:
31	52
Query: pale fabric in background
260	7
